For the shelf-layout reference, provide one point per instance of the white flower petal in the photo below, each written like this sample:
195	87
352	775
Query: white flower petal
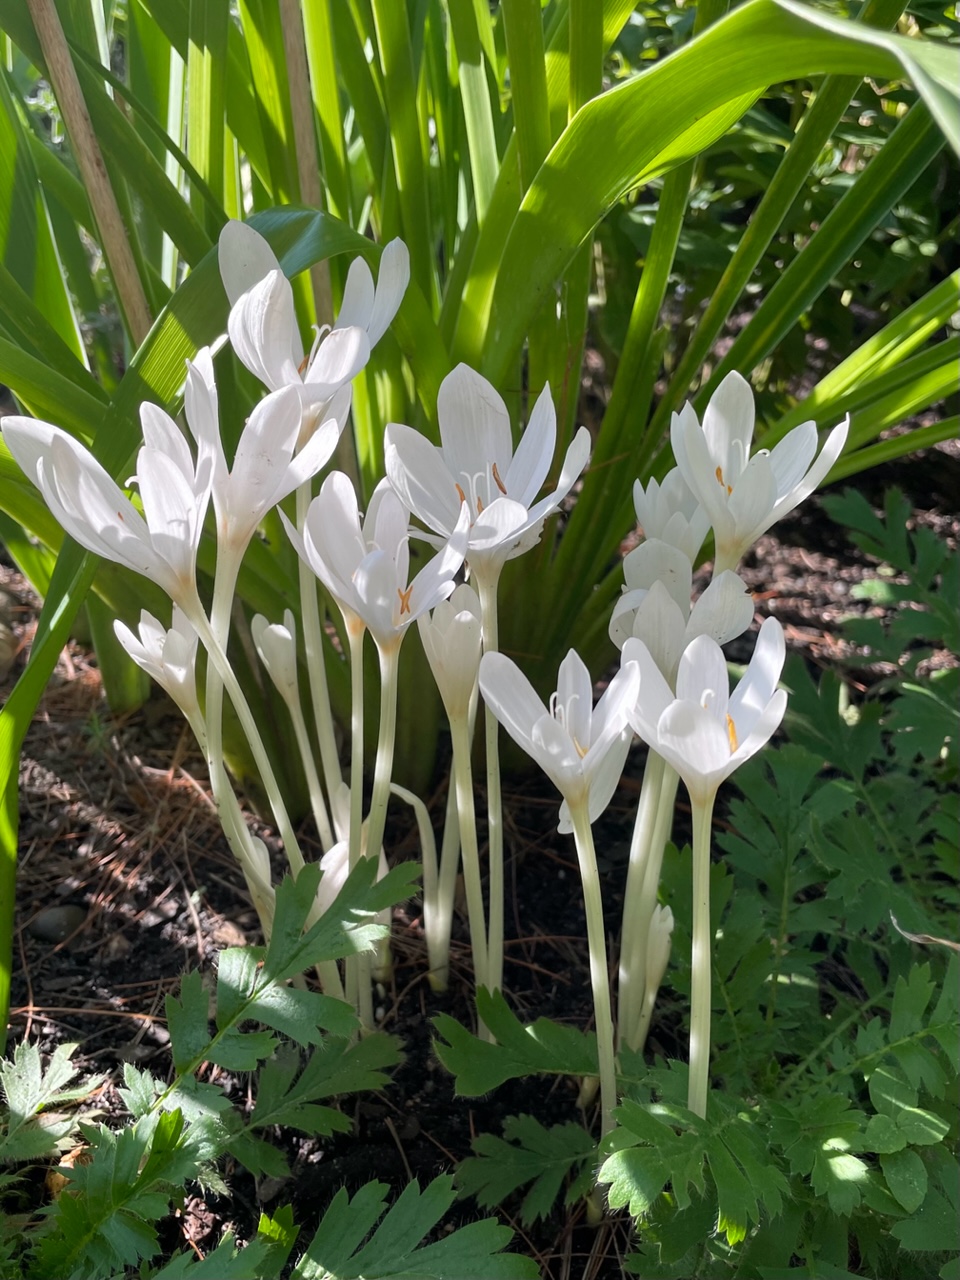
263	332
474	430
393	276
531	462
762	676
728	423
829	454
245	258
417	471
725	610
703	668
511	697
790	459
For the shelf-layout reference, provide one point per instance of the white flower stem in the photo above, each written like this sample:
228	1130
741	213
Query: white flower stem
463	776
355	630
220	676
647	901
632	948
389	656
438	901
488	614
317	802
383	770
700	984
596	944
312	622
357	974
234	827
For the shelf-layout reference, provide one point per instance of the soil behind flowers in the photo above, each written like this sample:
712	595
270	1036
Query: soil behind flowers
125	882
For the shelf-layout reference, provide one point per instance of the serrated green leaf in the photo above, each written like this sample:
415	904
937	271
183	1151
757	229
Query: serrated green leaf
393	1249
241	1050
284	1097
544	1047
225	1262
883	1135
636	1177
890	1091
528	1152
140	1092
910	1000
247	990
187	1020
932	1228
838	1175
906	1177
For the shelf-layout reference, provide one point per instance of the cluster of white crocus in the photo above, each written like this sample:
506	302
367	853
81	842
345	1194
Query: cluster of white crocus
478	504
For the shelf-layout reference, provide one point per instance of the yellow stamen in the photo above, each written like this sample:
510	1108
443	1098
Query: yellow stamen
405	601
479	504
732	734
728	487
463	496
301	367
581	751
496	475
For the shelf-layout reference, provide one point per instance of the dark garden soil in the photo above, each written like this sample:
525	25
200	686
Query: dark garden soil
125	882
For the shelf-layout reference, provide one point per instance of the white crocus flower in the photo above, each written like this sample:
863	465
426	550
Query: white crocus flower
266	467
572	739
745	495
475	469
161	543
168	656
365	567
451	638
263	324
670	512
702	730
655	606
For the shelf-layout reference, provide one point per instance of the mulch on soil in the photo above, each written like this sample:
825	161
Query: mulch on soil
125	881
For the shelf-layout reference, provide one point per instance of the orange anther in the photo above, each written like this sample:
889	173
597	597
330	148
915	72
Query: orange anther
499	483
404	600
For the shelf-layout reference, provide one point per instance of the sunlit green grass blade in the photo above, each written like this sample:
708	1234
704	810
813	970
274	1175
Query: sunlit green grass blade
263	37
47	393
475	95
322	60
904	156
206	66
27	250
883	352
898	446
243	117
890	400
406	141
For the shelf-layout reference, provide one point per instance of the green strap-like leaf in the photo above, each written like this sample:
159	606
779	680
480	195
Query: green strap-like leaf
658	119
